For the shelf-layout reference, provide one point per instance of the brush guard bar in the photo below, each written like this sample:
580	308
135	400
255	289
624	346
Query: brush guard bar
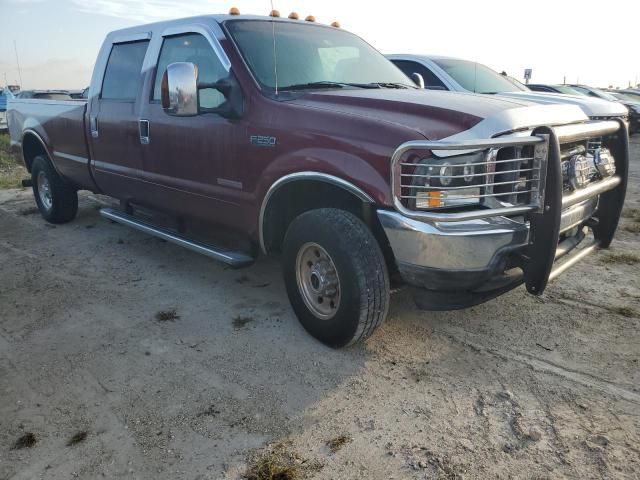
545	257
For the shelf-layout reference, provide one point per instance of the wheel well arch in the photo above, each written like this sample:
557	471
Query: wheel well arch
298	193
32	146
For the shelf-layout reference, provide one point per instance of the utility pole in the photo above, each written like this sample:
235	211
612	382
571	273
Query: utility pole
15	49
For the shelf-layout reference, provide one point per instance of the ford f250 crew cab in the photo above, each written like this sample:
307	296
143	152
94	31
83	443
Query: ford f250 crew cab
322	151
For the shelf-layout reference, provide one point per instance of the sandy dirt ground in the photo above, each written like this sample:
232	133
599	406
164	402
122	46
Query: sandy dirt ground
521	387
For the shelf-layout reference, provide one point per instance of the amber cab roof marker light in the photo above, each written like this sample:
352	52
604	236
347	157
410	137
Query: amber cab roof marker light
336	24
234	11
294	16
310	18
275	14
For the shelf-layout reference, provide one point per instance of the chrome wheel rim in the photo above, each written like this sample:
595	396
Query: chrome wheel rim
44	191
318	281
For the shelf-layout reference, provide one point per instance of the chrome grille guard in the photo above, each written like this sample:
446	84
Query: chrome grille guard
540	144
543	213
536	185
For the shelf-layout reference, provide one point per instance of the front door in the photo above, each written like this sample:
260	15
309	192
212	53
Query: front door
116	155
189	160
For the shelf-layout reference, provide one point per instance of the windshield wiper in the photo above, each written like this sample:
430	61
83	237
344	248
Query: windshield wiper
391	85
327	84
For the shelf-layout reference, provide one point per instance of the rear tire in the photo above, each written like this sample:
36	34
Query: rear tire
336	276
56	199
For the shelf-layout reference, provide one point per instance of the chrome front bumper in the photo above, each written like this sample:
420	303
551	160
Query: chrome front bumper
464	254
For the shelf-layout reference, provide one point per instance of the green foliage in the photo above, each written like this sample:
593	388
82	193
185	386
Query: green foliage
11	170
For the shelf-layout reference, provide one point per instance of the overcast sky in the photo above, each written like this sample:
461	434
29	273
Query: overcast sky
594	42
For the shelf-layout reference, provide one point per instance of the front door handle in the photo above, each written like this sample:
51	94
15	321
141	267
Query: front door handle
143	127
93	123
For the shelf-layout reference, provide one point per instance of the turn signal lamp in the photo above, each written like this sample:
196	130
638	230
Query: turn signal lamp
294	16
310	18
275	14
429	200
234	11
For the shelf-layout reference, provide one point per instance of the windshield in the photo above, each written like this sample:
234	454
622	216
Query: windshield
626	97
567	90
635	96
605	95
594	92
476	77
311	55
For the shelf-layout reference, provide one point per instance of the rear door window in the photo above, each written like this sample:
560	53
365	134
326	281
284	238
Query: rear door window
122	76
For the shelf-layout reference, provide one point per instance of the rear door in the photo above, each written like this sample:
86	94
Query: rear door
116	155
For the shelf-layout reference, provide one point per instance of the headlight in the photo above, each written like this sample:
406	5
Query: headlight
451	182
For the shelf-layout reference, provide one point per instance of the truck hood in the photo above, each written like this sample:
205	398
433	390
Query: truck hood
593	107
436	115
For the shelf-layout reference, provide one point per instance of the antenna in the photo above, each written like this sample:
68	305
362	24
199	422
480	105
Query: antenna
475	77
275	53
15	49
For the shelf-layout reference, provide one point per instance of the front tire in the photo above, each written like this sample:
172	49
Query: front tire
336	276
56	199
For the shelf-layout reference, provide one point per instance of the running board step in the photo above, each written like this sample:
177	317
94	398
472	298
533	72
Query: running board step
234	259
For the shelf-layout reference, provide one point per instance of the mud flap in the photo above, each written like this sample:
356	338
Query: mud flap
545	226
611	202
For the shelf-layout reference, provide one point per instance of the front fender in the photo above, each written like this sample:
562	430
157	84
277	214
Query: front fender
348	168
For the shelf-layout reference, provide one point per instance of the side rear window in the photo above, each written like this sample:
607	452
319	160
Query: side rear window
430	80
122	76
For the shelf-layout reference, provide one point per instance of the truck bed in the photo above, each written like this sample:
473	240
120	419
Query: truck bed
59	125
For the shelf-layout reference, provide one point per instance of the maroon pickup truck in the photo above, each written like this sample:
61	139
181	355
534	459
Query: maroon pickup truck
298	139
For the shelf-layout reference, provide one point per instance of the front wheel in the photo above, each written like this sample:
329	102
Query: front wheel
56	199
336	276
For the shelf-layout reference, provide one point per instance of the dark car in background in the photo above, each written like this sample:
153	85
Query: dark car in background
44	95
631	92
633	104
627	99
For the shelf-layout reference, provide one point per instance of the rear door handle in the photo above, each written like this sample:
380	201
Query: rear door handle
143	128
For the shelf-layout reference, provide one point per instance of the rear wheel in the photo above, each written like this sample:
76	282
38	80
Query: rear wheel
56	199
336	276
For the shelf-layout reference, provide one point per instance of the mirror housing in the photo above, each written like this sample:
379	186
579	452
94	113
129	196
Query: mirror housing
233	107
179	89
418	79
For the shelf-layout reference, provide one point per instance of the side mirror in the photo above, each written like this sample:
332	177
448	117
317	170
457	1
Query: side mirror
179	89
418	79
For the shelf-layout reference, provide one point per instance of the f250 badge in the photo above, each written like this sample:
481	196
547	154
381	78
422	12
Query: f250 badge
262	141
